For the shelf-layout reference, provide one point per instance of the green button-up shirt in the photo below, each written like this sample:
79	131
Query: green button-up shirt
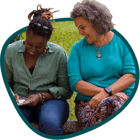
49	75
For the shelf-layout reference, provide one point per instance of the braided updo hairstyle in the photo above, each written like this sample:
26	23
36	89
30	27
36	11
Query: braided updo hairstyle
40	25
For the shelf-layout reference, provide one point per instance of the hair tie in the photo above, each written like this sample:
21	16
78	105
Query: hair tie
39	26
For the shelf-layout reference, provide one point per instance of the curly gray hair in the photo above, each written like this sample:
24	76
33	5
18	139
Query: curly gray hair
95	12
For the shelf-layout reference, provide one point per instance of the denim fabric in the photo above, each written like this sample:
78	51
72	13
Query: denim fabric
51	115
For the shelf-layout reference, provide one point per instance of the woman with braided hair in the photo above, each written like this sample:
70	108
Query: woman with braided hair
36	69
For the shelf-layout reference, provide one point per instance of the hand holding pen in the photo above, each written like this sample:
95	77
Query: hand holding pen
16	96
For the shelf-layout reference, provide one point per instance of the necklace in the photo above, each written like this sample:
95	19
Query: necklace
98	54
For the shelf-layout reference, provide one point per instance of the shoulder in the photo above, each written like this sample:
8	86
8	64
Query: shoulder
11	53
55	48
80	43
79	46
118	43
14	47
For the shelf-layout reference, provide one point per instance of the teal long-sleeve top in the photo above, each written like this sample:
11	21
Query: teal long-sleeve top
49	75
115	62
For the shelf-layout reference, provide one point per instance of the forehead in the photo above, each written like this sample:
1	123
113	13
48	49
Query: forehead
35	39
80	21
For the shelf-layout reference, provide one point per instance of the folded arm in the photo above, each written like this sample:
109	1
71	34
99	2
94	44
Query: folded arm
123	83
78	84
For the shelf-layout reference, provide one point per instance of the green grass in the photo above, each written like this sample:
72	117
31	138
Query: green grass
65	35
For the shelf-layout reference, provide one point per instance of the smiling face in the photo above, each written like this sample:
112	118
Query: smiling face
35	44
86	29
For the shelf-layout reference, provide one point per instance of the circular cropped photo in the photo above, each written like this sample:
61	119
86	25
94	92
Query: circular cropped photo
68	76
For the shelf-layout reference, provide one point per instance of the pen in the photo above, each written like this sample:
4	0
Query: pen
12	92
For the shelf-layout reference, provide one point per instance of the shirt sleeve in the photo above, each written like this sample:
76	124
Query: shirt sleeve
73	67
8	67
62	89
128	63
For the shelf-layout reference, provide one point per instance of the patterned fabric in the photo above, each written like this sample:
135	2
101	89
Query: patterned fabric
90	116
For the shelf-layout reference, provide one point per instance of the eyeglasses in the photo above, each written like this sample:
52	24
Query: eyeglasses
39	26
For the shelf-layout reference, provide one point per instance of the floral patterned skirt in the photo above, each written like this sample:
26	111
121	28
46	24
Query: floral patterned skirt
90	116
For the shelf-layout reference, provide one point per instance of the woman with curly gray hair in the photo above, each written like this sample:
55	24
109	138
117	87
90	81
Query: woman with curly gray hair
100	67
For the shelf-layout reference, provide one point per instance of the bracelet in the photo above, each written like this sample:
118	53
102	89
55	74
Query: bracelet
40	97
43	97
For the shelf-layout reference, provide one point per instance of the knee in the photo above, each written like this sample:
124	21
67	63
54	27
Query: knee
26	111
109	101
50	125
109	105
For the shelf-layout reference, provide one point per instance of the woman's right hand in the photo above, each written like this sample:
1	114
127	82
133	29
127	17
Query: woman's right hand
122	95
98	98
16	97
33	100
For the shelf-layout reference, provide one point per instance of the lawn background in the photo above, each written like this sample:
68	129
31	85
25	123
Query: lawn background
126	16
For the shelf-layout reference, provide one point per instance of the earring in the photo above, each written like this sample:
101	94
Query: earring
46	49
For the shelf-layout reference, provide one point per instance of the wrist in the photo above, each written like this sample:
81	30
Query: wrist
108	91
104	93
40	97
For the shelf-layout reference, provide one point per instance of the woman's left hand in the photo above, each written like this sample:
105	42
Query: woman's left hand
33	100
98	98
